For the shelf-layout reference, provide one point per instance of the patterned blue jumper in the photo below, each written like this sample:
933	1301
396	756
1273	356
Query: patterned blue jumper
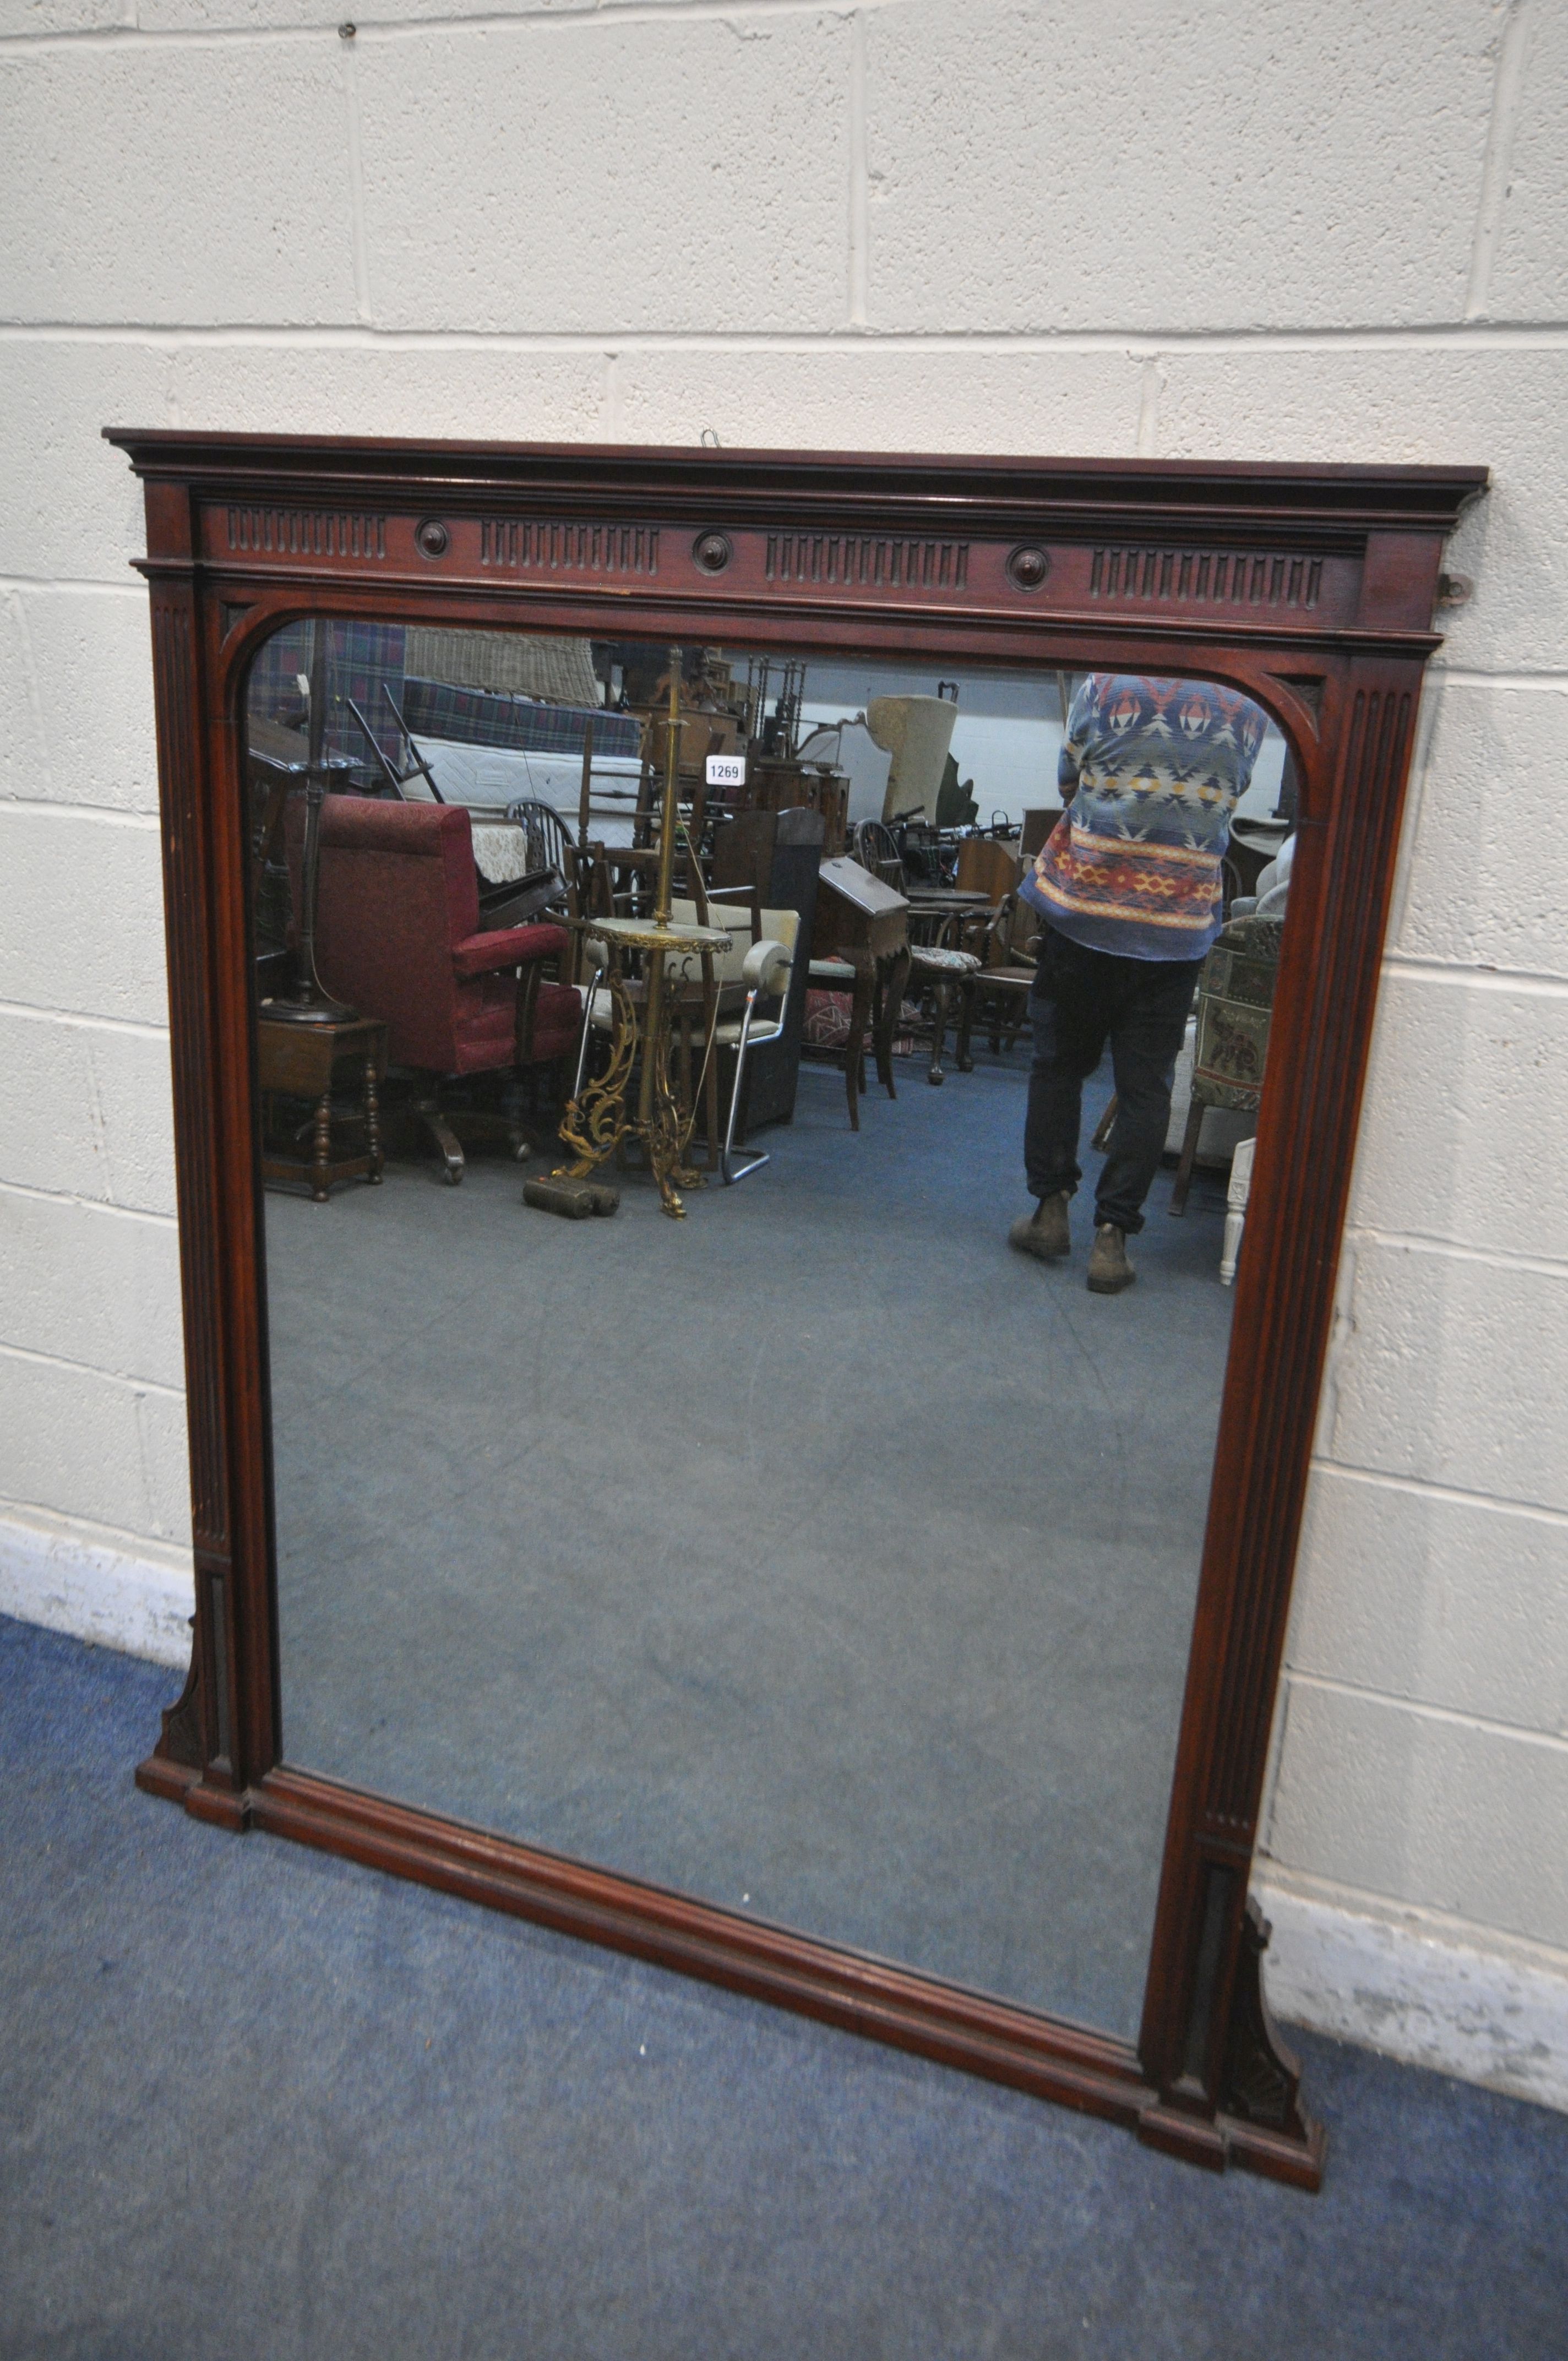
1154	769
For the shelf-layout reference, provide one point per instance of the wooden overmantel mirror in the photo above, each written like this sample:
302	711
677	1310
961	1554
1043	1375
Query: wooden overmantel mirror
811	1593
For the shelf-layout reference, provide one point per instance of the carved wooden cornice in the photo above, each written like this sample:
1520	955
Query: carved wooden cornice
1277	552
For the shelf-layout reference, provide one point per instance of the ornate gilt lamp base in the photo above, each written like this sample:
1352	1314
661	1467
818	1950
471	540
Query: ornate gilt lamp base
600	1118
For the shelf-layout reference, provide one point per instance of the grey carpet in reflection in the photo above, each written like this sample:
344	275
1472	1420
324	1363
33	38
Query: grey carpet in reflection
816	1555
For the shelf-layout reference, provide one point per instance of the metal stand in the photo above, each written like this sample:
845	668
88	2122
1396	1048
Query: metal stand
308	1002
730	1172
599	1119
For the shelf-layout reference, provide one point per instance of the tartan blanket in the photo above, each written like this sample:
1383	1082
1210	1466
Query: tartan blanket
475	717
360	656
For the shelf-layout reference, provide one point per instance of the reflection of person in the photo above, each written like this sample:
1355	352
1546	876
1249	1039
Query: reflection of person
1129	887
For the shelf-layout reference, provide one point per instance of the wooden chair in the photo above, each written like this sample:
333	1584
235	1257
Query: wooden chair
876	846
1006	941
546	834
938	966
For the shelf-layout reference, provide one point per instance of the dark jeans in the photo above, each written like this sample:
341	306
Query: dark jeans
1078	999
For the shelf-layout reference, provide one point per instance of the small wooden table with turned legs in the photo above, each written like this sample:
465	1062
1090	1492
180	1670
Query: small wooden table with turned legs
299	1062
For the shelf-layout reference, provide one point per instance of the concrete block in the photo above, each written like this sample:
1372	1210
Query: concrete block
79	1444
1452	1370
688	175
230	16
248	218
863	398
1500	407
76	722
135	1095
69	506
1487	881
50	1134
1421	1808
1529	269
513	395
272	14
20	17
85	918
1270	166
142	1603
1465	1112
88	1284
86	1110
1436	1601
24	747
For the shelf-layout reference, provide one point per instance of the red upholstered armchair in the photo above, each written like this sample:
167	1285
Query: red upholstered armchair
397	936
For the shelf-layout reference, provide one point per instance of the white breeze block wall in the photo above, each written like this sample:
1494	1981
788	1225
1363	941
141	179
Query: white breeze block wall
1240	229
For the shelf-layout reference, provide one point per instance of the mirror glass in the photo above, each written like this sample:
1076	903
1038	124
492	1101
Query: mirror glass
817	1536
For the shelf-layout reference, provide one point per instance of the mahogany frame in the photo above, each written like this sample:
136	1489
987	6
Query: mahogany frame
1311	588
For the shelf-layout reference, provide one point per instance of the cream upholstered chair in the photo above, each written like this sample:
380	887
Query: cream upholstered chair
765	970
685	965
761	957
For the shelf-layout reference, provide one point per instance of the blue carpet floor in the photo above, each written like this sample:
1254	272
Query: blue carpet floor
254	2103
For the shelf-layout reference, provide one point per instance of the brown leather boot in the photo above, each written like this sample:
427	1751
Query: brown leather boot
1044	1231
1109	1269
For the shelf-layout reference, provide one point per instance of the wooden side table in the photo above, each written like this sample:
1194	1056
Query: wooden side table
862	923
300	1061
